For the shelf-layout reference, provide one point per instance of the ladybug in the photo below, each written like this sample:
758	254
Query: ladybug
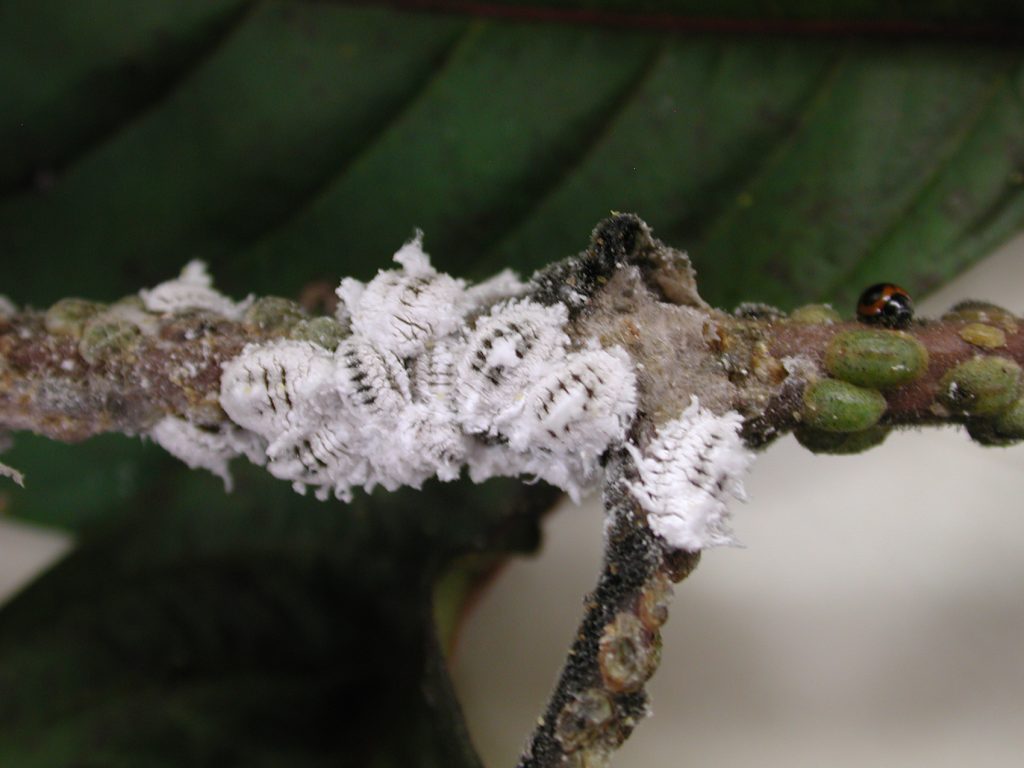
885	304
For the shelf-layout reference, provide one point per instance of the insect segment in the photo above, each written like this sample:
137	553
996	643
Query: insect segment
321	458
686	474
372	382
269	389
885	304
401	310
508	350
579	407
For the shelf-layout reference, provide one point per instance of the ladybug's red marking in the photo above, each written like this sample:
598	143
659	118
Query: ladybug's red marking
885	304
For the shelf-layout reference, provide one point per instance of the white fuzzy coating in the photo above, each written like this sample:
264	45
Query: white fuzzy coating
203	448
428	427
373	382
687	474
580	406
432	374
432	443
319	457
504	285
191	290
271	388
509	349
401	309
435	376
485	461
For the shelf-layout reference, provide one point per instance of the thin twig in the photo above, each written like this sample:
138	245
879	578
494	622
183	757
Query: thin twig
600	696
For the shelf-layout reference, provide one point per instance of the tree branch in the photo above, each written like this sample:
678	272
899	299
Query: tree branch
600	696
69	382
49	387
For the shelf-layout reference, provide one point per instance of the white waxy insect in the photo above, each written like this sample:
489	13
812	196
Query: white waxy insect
400	310
193	289
510	348
431	443
374	383
273	387
413	393
431	440
432	374
687	473
320	458
580	407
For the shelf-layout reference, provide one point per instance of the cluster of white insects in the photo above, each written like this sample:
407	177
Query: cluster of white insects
437	375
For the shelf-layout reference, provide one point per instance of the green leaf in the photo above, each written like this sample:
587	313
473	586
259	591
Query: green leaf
275	630
307	140
291	141
79	487
72	74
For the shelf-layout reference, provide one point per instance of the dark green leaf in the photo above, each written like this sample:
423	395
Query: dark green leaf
73	74
78	487
276	630
307	140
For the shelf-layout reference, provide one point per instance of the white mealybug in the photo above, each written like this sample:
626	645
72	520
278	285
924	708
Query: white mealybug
400	310
580	406
193	289
687	472
563	423
432	374
431	443
326	457
271	388
205	449
373	382
413	393
429	434
509	349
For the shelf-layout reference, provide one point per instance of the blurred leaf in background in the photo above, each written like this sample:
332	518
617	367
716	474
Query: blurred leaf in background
796	156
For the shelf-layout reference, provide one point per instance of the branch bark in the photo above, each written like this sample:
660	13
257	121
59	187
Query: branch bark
70	382
65	386
599	697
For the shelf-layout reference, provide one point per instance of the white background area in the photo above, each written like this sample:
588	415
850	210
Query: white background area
875	617
24	551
